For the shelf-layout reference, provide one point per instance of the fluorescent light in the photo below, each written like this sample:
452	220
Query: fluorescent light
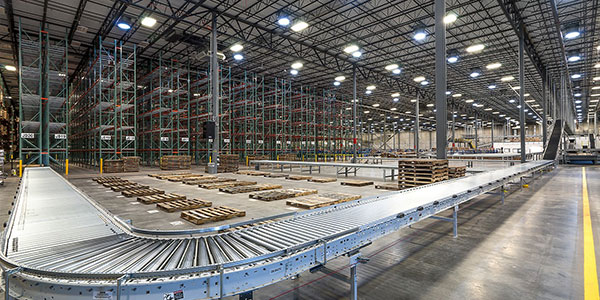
283	21
238	56
413	100
572	31
469	101
577	94
596	88
376	105
597	65
336	83
450	18
294	72
475	73
148	21
492	86
430	105
366	112
575	76
396	99
10	68
299	26
596	78
397	71
391	67
340	78
526	95
393	109
511	100
371	87
516	87
475	48
507	78
452	59
356	54
395	95
236	48
419	79
487	109
297	65
351	48
493	66
457	95
448	92
368	92
424	82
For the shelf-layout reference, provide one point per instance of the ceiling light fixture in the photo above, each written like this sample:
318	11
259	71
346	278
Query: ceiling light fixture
475	48
124	23
236	48
397	71
340	78
371	87
395	95
351	48
238	56
450	18
10	68
391	67
475	73
457	95
420	33
572	31
493	66
507	78
418	78
299	26
148	21
283	21
336	83
294	72
424	82
297	65
573	56
356	54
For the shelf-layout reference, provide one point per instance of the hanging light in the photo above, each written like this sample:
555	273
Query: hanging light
572	30
450	18
397	71
148	21
10	68
236	48
124	23
238	56
453	56
492	86
283	21
299	26
420	33
573	56
297	65
475	48
294	72
475	73
340	78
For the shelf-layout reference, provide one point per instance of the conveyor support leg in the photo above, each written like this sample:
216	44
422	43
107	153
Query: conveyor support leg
455	220
355	259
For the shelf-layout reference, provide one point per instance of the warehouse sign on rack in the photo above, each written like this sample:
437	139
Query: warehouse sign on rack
130	138
105	137
60	136
27	135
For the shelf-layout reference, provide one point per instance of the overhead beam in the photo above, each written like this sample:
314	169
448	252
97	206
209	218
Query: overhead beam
76	19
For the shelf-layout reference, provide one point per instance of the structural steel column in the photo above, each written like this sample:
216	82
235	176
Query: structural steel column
354	106
214	68
441	116
476	136
522	93
544	109
417	126
492	133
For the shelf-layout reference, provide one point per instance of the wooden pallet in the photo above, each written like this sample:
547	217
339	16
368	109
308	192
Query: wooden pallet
249	188
356	182
282	194
179	178
117	183
141	192
167	175
218	185
391	187
321	200
252	173
276	175
102	180
211	214
158	198
298	177
322	180
185	204
133	186
208	180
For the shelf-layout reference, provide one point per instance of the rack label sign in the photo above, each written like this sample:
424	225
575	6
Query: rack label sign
210	140
226	140
289	142
261	141
185	139
27	135
60	136
248	142
278	142
164	138
105	137
130	138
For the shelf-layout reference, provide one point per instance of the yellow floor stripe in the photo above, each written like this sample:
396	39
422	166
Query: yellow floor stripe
589	253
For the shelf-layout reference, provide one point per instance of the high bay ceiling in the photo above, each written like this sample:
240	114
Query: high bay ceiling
383	30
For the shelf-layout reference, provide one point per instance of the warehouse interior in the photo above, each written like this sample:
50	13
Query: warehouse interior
205	149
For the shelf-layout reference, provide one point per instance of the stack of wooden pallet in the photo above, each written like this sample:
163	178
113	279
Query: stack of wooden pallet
456	172
417	172
288	156
282	194
184	204
258	157
218	185
105	179
321	200
158	198
141	192
175	162
112	166
228	163
166	175
207	179
249	188
131	164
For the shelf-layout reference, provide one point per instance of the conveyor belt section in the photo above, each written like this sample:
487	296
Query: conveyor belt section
553	145
219	265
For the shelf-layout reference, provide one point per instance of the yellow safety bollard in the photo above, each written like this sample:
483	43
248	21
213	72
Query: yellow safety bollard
526	185
66	166
101	165
247	161
277	157
210	159
20	168
315	158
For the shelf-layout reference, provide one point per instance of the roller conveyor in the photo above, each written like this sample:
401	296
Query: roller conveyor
57	237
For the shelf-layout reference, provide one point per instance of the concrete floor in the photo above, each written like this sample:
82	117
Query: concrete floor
529	248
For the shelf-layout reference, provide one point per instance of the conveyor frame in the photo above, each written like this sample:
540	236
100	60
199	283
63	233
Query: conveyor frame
226	279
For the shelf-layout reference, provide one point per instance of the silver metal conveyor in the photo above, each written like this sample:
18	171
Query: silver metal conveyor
61	244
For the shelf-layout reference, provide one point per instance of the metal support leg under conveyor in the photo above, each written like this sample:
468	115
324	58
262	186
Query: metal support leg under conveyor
100	253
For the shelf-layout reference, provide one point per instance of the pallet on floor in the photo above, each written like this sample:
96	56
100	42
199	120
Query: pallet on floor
185	204
249	188
208	180
158	198
321	200
117	183
252	173
276	175
456	172
356	182
298	177
389	186
102	180
162	175
141	192
322	179
218	185
211	214
282	194
134	186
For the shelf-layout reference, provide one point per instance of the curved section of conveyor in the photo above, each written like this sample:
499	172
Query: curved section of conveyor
60	243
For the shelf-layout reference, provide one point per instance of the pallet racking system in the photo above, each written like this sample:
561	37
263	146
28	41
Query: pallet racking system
103	111
43	103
